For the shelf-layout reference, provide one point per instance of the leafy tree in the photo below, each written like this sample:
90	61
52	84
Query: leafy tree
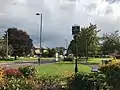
87	41
51	52
111	42
60	50
20	41
3	48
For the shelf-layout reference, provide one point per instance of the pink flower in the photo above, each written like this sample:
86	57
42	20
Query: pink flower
13	72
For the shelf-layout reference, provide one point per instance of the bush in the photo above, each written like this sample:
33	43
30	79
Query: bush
1	74
17	84
106	56
27	71
52	83
12	73
117	56
112	73
83	81
97	56
68	59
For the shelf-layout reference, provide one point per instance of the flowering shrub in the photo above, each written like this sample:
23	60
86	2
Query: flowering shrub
12	73
23	79
17	84
2	78
27	71
52	82
1	73
67	74
112	73
13	79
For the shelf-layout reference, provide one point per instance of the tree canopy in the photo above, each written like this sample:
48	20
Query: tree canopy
111	42
20	41
87	41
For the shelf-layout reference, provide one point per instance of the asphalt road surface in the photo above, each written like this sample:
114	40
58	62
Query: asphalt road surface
25	63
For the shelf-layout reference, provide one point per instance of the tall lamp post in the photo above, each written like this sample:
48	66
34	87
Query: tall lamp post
7	46
40	35
75	31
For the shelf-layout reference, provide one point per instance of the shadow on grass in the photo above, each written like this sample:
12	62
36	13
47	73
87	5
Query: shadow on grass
81	59
65	62
78	63
90	63
36	62
1	60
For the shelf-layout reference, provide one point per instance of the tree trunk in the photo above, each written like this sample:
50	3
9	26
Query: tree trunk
86	51
15	57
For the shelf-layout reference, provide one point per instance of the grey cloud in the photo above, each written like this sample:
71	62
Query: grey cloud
91	7
107	25
109	10
113	1
57	19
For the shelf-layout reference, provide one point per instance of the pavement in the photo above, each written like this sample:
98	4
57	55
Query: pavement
25	63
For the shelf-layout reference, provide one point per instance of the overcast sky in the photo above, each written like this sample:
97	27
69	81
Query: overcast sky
58	17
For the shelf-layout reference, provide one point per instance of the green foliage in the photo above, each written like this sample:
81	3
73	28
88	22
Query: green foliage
3	49
68	59
87	41
20	41
17	84
111	42
112	73
60	50
52	83
27	71
45	53
84	81
51	52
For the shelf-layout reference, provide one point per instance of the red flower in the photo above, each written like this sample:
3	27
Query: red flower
12	72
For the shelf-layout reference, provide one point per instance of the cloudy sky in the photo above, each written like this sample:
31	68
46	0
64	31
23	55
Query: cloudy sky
58	17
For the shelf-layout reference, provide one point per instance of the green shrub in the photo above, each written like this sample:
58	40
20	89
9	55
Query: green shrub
28	71
97	56
84	81
112	73
68	59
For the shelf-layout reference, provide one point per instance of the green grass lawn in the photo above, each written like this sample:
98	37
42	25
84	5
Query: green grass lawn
98	60
95	60
22	59
32	58
59	68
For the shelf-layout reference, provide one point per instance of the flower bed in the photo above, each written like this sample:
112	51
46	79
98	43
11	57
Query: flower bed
24	79
13	73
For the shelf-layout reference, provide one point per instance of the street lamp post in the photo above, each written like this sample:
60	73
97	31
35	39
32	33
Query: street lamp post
75	31
40	35
7	45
